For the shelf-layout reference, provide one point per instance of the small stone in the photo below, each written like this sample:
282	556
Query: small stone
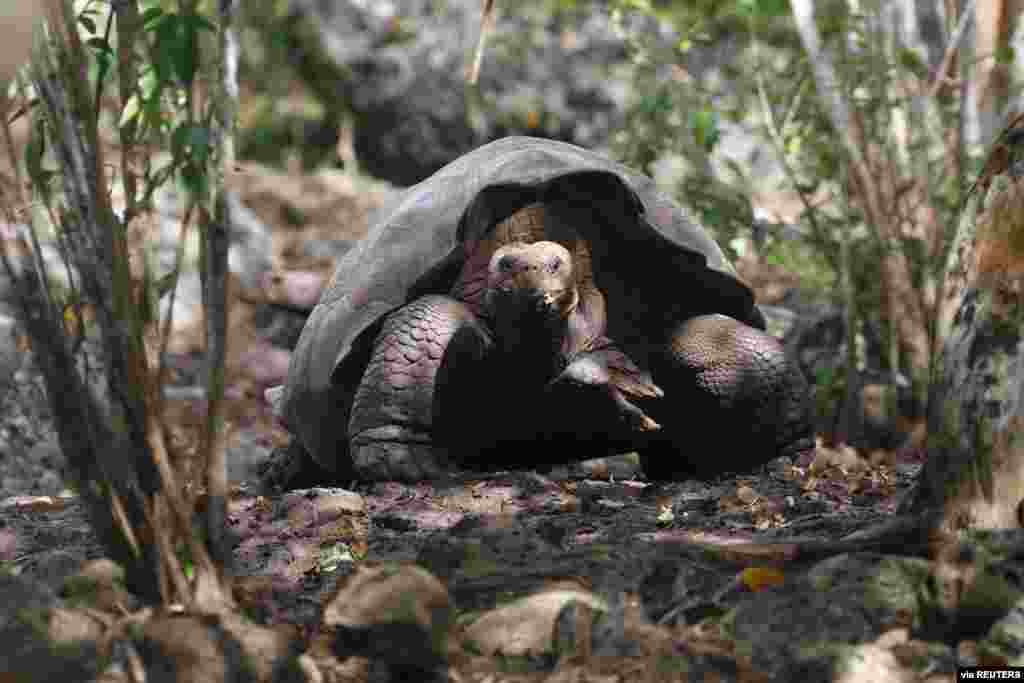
99	584
50	483
398	613
527	626
46	453
53	567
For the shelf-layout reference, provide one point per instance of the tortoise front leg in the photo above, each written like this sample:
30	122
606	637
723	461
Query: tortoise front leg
733	400
604	382
393	424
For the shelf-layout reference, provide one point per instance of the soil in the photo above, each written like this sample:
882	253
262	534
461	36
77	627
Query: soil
598	525
485	535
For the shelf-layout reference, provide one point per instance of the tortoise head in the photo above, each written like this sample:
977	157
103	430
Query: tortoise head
531	291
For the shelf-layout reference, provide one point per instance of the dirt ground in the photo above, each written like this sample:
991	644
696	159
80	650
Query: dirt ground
596	526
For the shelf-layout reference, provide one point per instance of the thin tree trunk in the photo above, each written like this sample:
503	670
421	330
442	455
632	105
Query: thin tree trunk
990	78
976	403
870	178
216	229
848	423
110	430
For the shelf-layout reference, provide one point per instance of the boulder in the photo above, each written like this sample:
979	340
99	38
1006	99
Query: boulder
561	74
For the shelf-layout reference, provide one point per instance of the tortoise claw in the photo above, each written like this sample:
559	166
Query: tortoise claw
634	416
648	425
596	370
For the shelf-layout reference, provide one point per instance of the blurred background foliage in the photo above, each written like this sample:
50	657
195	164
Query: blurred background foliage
722	107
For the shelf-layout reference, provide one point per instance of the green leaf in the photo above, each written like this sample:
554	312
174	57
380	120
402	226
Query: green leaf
656	103
150	84
642	5
763	8
748	7
794	144
704	125
200	141
773	8
712	216
191	141
179	141
910	60
187	566
177	47
171	50
104	58
151	18
203	23
163	285
131	110
195	180
35	149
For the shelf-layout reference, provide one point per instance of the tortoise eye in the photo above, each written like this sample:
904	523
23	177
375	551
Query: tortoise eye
555	264
505	263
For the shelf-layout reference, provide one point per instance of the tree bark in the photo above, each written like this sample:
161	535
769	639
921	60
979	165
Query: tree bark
990	78
871	178
976	402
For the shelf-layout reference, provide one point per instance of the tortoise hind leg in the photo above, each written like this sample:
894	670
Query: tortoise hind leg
392	427
733	401
291	467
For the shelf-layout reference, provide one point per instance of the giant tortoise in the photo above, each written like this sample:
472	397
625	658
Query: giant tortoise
534	302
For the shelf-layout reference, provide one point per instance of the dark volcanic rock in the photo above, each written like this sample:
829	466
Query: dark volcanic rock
814	333
562	74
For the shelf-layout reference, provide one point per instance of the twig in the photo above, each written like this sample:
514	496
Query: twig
954	42
127	29
25	203
780	150
165	334
486	26
101	79
217	230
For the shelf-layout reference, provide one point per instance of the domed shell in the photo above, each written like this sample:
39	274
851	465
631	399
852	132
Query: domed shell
652	260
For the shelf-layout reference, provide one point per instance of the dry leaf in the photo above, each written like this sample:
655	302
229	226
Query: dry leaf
759	578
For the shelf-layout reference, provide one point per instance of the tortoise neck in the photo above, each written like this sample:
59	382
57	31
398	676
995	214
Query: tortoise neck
585	324
534	352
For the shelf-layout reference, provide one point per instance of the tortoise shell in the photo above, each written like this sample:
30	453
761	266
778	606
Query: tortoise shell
653	262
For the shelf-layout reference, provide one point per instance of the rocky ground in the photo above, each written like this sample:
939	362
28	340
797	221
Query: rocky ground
581	572
594	534
584	568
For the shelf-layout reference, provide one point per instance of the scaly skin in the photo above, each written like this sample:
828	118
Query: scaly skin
391	425
437	389
747	399
524	359
747	368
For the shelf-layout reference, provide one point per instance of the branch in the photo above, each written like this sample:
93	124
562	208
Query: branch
780	151
845	125
486	26
127	29
954	42
216	232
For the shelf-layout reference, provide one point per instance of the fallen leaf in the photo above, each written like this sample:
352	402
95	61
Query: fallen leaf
759	578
